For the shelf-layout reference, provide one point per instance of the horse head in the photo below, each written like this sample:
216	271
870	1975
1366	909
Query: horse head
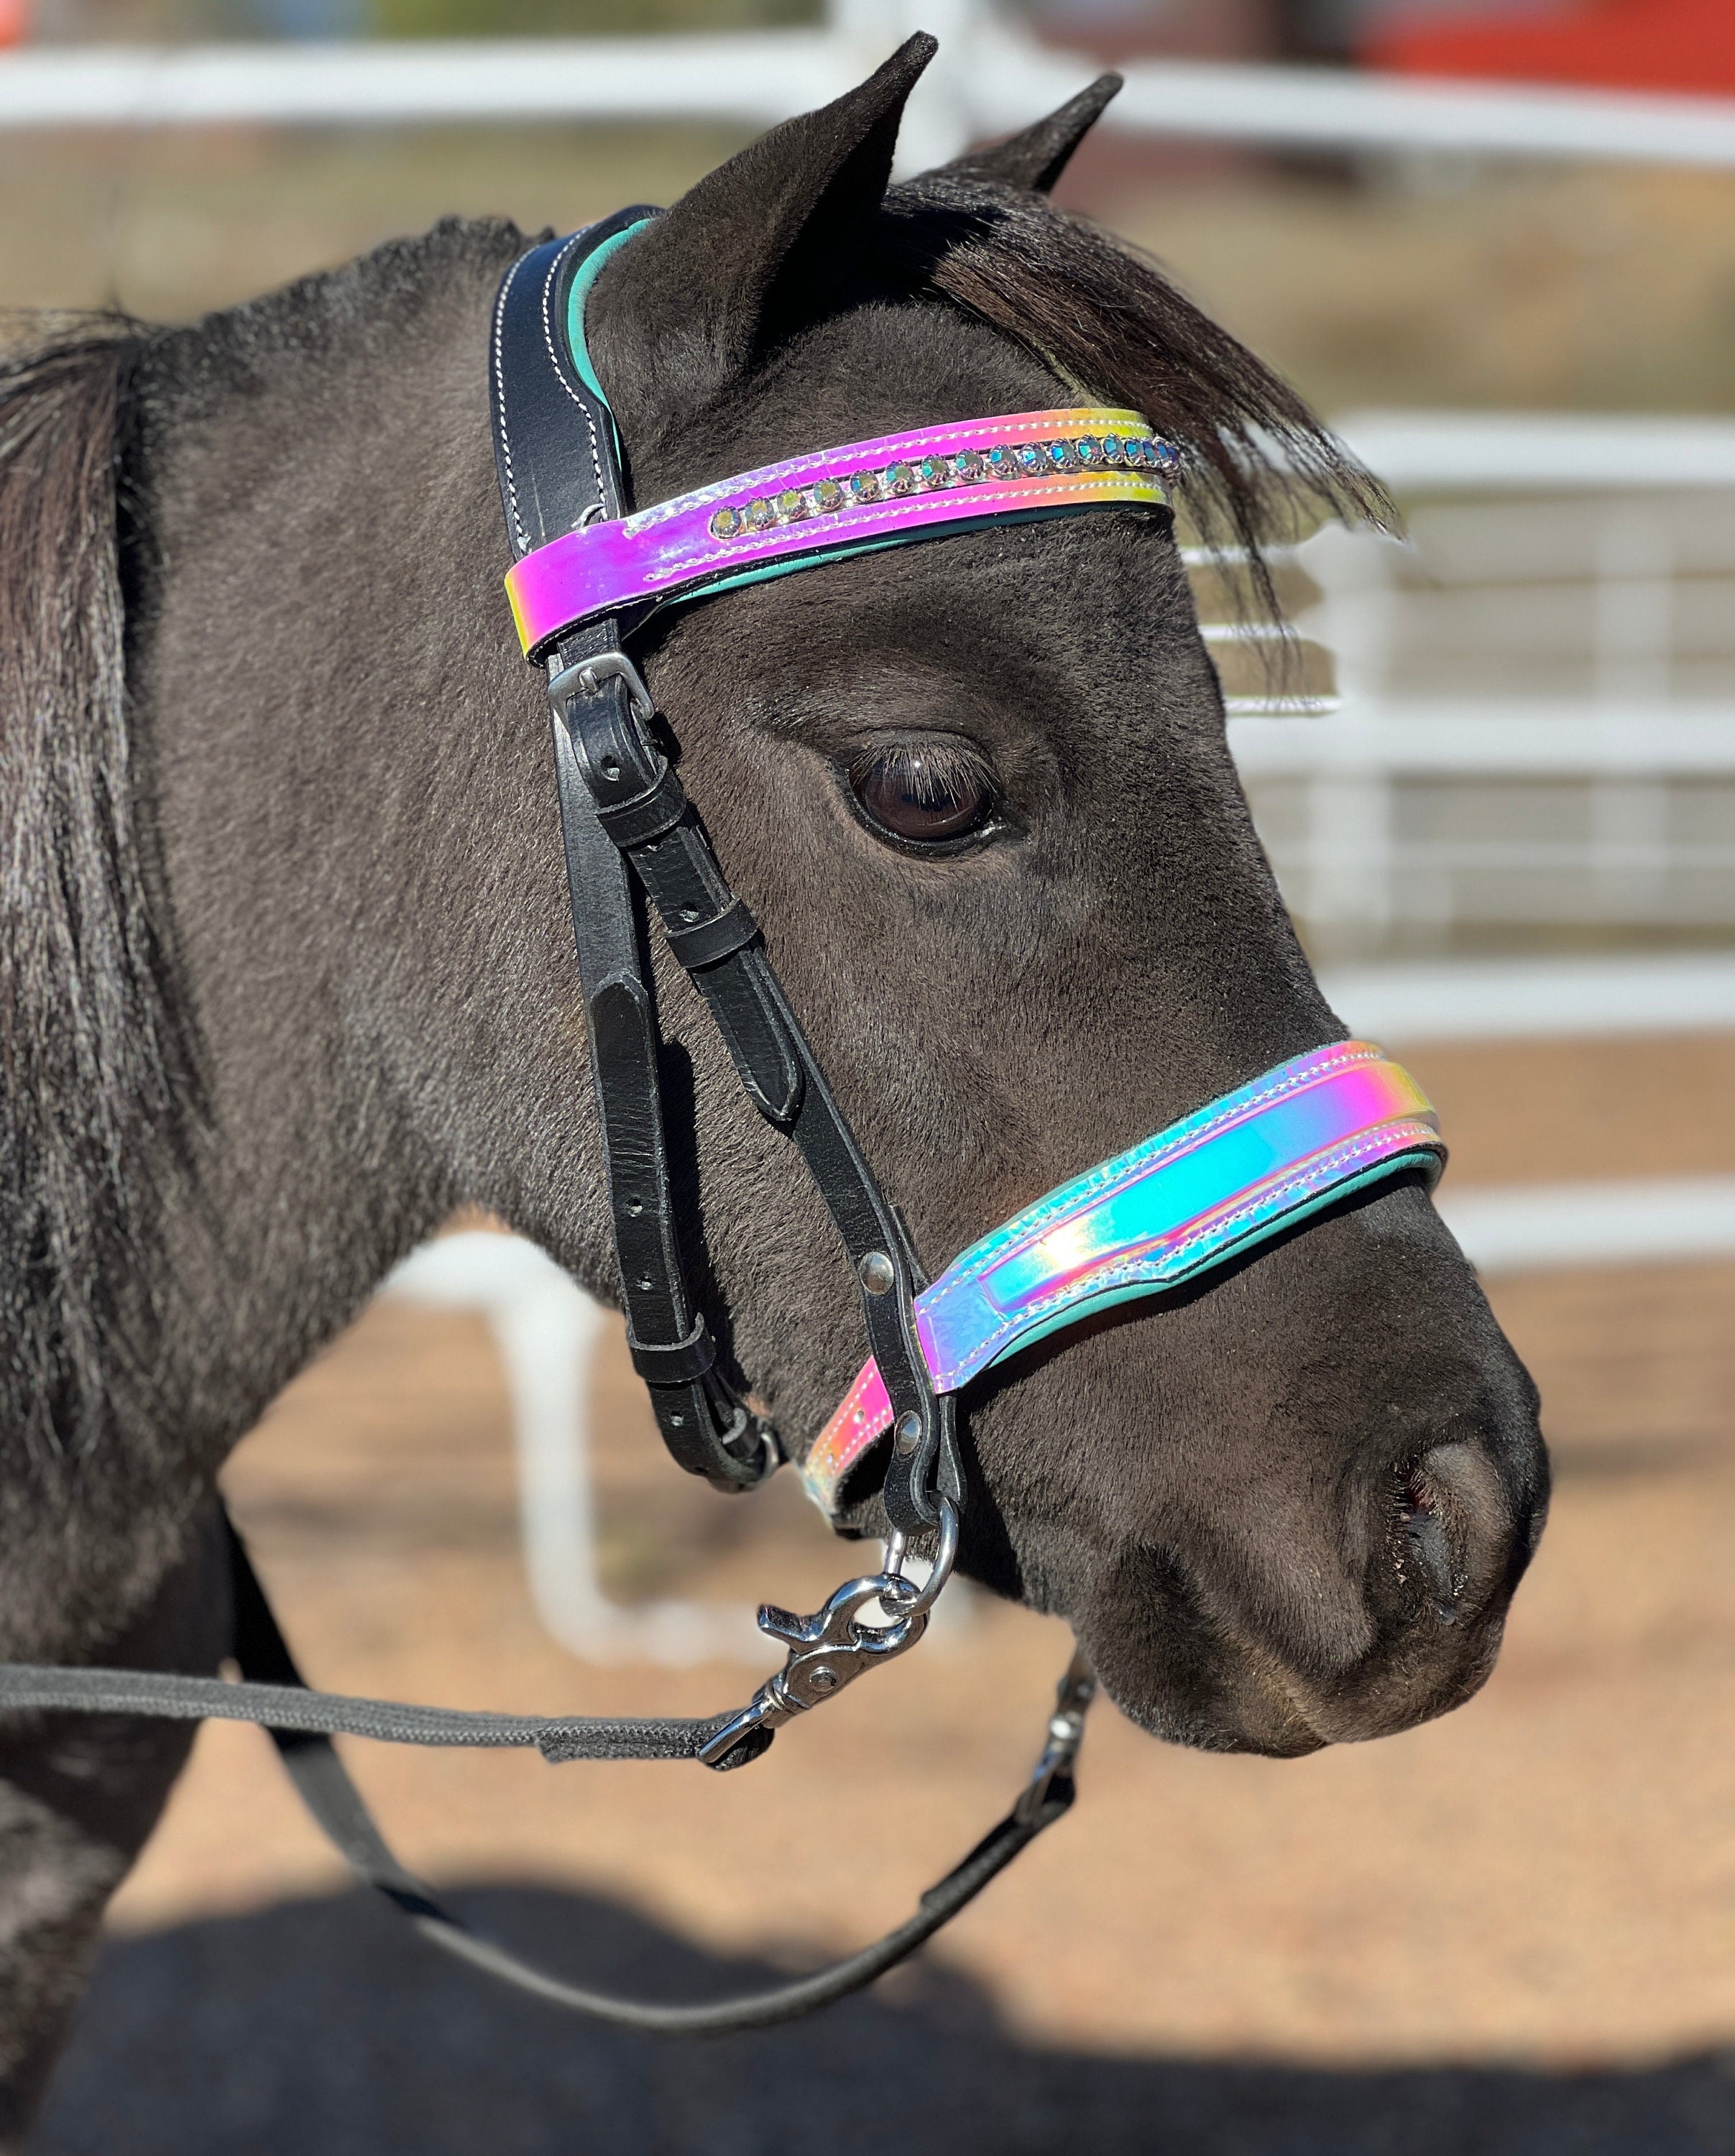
977	791
979	794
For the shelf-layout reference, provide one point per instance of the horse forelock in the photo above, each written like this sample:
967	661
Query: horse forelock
1257	462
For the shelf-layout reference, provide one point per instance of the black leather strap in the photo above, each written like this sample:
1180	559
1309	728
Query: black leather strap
720	937
301	1723
559	466
682	1363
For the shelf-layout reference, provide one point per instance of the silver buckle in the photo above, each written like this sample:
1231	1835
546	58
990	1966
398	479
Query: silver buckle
588	676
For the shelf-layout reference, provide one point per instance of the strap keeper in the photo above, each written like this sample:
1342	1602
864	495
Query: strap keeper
711	940
683	1363
648	815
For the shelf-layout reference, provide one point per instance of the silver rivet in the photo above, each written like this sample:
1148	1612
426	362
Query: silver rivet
907	1434
877	1273
823	1679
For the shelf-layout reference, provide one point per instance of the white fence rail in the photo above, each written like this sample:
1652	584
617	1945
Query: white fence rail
1536	722
1672	992
990	76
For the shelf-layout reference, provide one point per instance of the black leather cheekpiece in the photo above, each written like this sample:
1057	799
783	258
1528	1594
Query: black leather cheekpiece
627	825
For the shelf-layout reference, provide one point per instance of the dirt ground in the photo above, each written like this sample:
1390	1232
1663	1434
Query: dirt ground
1512	1931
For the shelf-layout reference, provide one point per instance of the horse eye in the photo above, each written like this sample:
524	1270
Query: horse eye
924	793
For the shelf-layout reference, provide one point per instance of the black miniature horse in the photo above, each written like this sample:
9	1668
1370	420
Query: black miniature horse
288	973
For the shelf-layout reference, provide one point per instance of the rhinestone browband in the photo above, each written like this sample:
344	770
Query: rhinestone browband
832	503
1005	460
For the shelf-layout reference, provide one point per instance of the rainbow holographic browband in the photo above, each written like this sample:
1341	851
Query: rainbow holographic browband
832	503
1250	1164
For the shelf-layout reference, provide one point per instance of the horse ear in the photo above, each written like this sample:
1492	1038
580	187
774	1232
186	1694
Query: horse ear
759	244
1036	158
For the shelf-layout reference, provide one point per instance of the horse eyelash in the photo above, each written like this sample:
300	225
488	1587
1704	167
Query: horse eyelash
937	767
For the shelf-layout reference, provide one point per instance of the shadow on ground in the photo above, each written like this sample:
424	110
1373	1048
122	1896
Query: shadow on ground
326	2028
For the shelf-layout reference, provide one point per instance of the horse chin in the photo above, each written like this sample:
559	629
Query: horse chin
1250	1702
1417	1634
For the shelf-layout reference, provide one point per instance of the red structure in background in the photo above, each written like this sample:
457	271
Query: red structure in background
15	21
1610	44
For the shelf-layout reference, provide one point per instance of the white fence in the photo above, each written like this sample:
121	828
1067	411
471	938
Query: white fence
990	76
1536	724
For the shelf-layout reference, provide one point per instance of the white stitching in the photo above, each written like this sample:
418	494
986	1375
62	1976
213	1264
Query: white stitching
1077	491
887	449
1130	1268
1110	1175
596	460
992	496
499	393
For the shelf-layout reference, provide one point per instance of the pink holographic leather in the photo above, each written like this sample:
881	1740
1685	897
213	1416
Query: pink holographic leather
832	501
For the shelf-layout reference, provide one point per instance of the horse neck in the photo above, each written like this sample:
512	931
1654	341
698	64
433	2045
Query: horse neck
360	869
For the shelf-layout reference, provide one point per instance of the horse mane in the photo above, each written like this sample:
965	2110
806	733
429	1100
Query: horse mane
89	1061
1258	464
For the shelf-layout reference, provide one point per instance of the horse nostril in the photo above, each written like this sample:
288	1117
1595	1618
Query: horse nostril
1456	1522
1425	1534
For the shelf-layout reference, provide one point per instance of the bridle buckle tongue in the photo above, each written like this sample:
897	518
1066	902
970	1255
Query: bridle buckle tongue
833	1647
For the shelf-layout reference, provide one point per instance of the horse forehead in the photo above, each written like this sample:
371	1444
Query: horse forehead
861	372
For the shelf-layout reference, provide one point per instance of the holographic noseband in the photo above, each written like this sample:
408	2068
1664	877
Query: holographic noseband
1200	1193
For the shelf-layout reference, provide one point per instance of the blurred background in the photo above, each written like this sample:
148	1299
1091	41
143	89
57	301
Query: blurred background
1496	243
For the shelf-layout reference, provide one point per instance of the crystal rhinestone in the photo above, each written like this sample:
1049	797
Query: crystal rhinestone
760	515
1001	462
966	464
791	506
726	524
899	479
864	486
827	496
1060	456
935	471
1088	449
1114	450
1167	455
1031	457
1144	450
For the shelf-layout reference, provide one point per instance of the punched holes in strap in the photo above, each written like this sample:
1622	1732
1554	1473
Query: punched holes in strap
708	942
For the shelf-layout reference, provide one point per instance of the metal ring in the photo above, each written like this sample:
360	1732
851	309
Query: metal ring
923	1598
